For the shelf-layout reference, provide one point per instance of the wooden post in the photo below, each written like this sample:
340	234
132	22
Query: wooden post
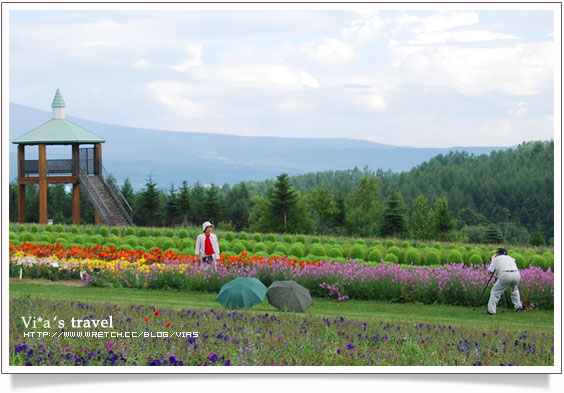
42	184
76	203
75	159
97	218
21	203
21	187
98	159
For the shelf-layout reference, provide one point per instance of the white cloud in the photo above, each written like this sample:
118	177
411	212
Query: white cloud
142	64
293	105
498	130
520	69
446	20
176	95
363	83
195	59
261	76
440	50
365	92
520	109
329	51
435	37
548	127
99	43
365	28
371	102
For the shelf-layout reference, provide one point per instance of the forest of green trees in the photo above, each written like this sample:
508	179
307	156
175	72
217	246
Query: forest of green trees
506	196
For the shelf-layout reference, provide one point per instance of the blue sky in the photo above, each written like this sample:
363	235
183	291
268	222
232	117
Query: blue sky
413	78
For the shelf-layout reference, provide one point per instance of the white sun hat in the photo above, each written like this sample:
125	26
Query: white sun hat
206	224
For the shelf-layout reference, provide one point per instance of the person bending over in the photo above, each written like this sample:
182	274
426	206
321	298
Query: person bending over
507	276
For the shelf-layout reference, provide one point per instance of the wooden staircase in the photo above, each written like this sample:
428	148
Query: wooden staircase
106	201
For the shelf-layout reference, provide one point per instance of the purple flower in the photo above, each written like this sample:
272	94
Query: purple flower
212	357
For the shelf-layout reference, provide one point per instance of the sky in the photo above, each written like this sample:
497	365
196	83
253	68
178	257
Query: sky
426	78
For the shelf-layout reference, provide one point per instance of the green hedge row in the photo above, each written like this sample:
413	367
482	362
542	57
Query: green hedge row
192	232
389	251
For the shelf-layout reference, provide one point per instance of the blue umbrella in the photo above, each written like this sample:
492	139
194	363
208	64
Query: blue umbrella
242	292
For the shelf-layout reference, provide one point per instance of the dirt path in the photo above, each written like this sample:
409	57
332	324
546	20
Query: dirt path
68	283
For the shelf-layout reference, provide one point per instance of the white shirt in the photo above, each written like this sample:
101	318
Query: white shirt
502	263
201	245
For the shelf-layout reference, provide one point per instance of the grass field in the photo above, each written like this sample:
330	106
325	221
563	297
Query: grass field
539	321
346	333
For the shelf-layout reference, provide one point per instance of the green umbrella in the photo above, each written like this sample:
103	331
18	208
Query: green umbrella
243	292
289	295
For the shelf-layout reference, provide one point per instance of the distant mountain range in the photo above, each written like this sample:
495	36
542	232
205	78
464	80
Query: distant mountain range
171	157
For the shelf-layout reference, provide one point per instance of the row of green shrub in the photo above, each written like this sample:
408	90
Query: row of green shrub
424	255
193	232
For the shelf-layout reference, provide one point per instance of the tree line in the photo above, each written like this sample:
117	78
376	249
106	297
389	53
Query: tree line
506	196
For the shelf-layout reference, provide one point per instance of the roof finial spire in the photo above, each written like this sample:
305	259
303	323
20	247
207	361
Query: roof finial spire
58	106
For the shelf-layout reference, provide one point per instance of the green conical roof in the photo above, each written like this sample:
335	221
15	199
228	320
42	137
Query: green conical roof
58	132
58	101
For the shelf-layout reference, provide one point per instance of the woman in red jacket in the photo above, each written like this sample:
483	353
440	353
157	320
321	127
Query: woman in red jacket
207	247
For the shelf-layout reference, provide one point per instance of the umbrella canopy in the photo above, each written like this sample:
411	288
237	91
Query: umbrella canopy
289	295
243	292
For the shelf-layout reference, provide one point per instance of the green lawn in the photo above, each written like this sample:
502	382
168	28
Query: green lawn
539	321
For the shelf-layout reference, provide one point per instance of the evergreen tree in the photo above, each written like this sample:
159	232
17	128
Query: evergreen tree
493	234
171	208
238	205
13	206
260	217
470	217
419	223
363	208
213	205
340	217
444	221
127	192
281	198
537	238
394	218
299	217
86	208
183	203
59	204
473	233
323	204
197	214
150	201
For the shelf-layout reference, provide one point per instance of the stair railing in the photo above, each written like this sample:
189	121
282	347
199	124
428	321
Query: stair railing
116	193
95	199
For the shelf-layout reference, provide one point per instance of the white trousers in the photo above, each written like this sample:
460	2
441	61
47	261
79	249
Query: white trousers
504	281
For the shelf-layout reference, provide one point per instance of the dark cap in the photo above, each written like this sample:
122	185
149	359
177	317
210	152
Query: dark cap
501	251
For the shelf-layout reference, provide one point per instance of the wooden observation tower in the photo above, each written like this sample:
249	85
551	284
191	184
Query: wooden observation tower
83	169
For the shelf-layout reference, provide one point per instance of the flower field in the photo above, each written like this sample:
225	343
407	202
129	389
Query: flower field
300	247
454	283
224	338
